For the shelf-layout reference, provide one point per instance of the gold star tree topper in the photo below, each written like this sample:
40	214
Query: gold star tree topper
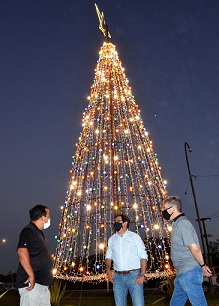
103	25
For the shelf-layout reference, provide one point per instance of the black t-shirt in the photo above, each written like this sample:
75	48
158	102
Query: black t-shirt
34	240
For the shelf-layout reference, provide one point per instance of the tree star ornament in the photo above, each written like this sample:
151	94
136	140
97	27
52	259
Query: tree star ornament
103	25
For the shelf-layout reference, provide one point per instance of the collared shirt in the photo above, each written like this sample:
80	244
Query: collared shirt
126	251
33	239
182	235
181	215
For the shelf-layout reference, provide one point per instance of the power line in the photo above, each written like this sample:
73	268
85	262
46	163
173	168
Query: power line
209	175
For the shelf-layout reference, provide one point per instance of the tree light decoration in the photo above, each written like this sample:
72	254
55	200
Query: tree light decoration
114	170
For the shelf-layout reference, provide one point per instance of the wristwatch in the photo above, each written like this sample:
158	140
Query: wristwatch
142	274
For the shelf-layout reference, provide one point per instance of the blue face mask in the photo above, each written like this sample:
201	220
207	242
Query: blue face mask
117	226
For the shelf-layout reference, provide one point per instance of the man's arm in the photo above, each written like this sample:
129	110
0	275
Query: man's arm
108	263
143	265
24	259
140	278
197	254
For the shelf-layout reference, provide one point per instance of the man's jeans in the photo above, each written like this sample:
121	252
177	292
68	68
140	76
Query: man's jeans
38	296
122	283
188	285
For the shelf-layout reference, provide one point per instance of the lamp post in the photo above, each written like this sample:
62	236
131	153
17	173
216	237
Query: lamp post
186	145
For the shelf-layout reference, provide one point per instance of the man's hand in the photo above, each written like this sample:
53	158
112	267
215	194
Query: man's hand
109	276
31	283
139	280
206	271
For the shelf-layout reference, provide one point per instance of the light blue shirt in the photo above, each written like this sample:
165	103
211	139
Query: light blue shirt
126	251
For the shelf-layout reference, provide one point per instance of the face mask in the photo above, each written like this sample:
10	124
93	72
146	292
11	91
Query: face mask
117	226
166	215
46	225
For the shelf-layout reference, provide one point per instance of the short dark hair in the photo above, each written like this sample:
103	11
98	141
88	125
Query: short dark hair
37	212
124	219
174	200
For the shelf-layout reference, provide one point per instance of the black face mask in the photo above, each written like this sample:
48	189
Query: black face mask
166	215
117	226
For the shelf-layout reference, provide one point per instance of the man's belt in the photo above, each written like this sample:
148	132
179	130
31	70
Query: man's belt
126	272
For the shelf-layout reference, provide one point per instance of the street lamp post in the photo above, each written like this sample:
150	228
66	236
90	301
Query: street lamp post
186	145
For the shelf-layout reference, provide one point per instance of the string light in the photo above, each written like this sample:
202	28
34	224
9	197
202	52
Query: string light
114	170
101	246
169	228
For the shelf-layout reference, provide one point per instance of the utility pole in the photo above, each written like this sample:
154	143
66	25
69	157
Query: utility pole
206	240
186	145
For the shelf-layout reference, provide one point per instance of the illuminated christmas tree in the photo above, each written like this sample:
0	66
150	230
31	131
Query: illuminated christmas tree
114	170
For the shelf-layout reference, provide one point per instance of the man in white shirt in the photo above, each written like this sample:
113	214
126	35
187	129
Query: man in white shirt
127	251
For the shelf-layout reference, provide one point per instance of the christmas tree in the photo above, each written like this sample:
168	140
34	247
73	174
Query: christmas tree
114	170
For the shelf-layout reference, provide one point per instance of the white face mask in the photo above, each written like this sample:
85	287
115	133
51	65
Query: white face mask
46	225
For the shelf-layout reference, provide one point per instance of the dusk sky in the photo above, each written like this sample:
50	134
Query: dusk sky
48	53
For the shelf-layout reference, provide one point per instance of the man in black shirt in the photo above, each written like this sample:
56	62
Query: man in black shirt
34	273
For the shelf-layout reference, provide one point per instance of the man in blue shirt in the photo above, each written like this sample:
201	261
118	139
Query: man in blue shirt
127	251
